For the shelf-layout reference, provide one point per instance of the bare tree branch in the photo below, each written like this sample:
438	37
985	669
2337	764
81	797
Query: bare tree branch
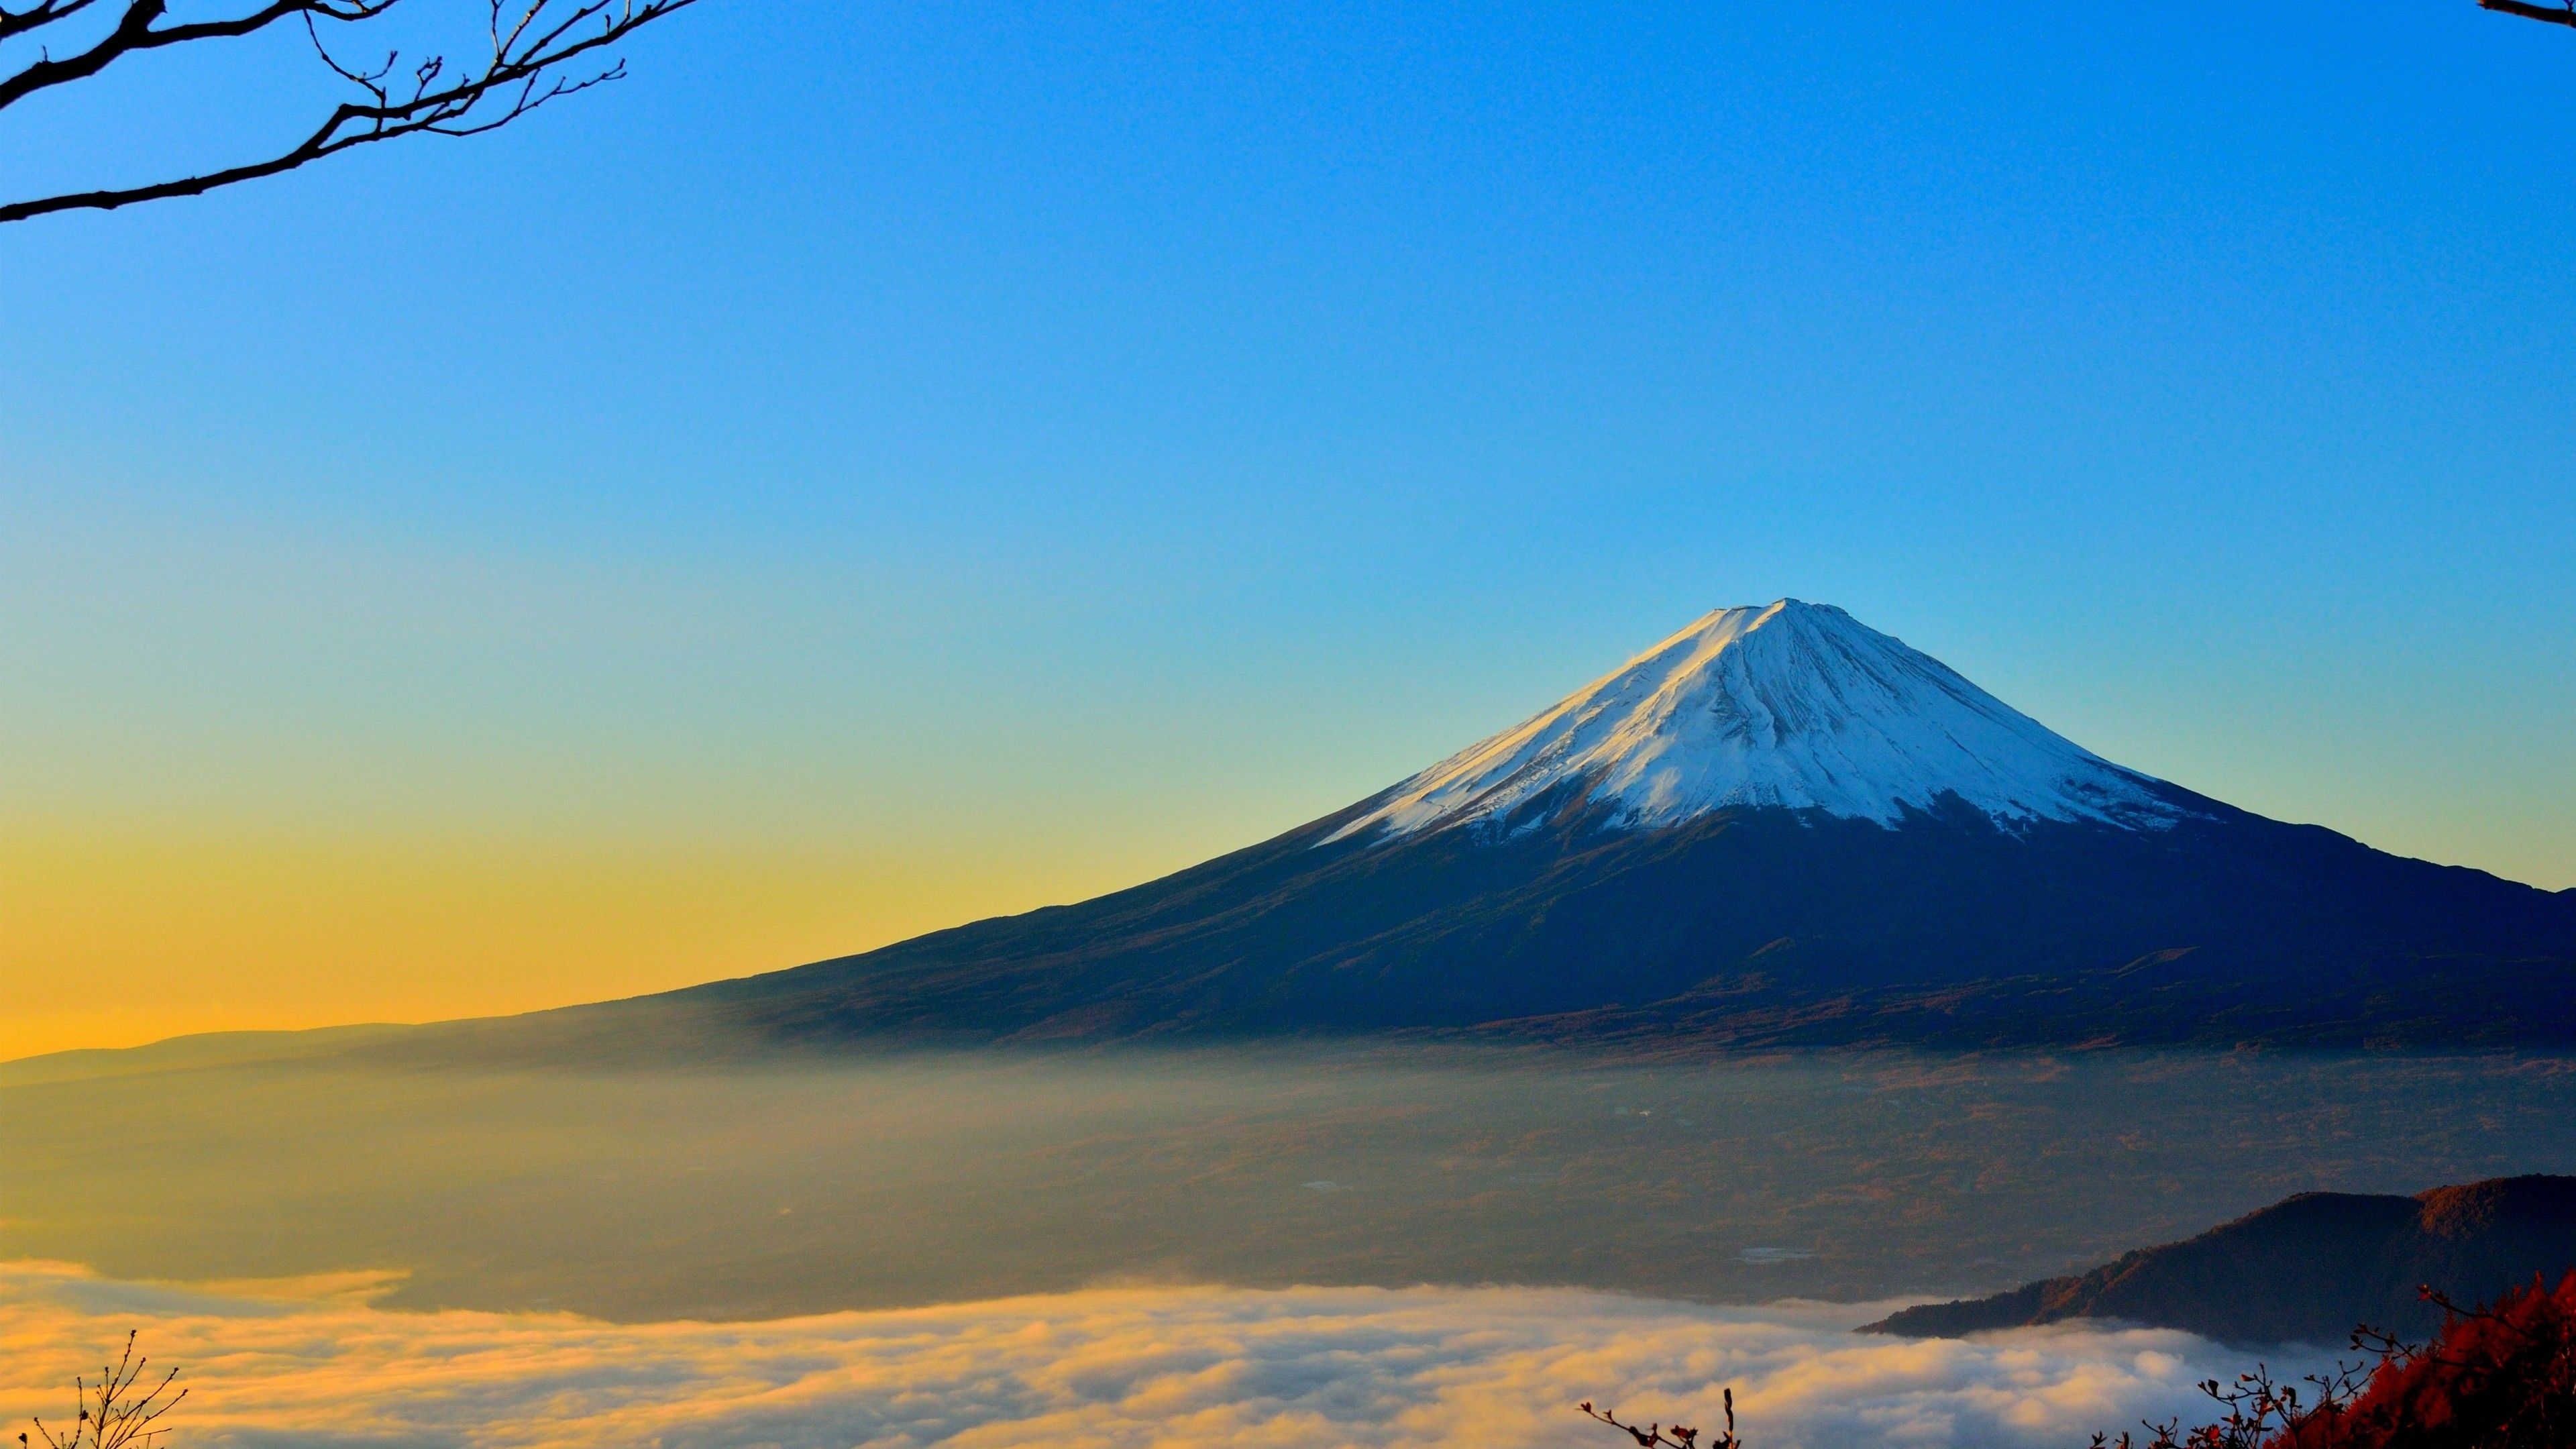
135	32
532	43
38	16
112	1413
2562	14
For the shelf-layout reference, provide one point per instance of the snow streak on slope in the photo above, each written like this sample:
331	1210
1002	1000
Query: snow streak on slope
1794	705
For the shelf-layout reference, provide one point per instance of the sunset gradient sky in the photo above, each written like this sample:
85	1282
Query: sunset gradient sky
881	466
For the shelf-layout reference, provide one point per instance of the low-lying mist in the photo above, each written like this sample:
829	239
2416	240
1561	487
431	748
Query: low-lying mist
1116	1368
878	1181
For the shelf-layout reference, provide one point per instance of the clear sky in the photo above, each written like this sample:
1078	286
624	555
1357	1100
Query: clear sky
885	465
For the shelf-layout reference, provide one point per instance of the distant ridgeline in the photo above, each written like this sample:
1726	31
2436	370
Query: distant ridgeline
1776	827
2307	1269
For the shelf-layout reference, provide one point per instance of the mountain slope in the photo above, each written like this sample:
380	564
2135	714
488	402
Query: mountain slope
1754	926
2306	1269
1794	705
1778	826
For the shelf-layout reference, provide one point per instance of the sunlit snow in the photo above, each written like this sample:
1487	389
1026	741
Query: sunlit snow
1792	704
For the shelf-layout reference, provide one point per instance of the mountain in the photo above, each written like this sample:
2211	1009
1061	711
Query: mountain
1777	826
1796	707
2307	1269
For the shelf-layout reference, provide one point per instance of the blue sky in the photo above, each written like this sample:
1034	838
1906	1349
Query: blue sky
1040	447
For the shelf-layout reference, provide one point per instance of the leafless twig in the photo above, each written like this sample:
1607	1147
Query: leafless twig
541	50
112	1414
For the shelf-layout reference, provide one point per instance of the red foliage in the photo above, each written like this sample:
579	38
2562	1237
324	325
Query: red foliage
2498	1377
2501	1377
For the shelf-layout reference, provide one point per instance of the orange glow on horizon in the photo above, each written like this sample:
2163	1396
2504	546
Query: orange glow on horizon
116	939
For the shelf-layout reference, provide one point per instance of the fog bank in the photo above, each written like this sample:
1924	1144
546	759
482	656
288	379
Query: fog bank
1203	1366
884	1182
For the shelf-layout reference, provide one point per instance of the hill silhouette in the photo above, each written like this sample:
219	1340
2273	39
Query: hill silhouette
2307	1268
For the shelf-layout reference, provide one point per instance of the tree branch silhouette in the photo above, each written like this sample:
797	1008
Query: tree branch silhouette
1658	1436
2563	13
122	1410
541	50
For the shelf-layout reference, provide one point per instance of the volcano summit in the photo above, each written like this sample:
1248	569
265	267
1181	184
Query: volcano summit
1777	826
1795	707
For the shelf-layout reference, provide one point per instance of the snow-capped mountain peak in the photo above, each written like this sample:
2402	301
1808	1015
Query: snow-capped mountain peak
1793	705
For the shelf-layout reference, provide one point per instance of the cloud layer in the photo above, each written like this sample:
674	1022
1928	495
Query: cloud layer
1200	1366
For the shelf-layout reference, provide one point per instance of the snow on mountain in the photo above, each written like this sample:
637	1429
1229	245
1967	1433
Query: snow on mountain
1796	705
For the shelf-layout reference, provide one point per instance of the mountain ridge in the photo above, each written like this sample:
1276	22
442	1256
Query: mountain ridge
2308	1268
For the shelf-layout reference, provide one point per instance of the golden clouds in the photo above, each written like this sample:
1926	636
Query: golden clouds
1118	1368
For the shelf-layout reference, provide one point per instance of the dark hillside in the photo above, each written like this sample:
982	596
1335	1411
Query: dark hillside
1752	926
2306	1269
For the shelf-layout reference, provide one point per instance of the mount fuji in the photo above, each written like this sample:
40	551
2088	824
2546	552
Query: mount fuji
1777	826
1795	706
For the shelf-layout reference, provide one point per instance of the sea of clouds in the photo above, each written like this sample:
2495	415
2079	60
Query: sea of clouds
311	1364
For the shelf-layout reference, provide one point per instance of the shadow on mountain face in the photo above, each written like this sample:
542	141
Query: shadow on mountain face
1777	826
1749	928
1596	876
2307	1269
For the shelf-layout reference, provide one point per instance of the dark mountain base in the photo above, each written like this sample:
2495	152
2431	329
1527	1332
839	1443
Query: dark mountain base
1755	927
2420	1003
2307	1269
